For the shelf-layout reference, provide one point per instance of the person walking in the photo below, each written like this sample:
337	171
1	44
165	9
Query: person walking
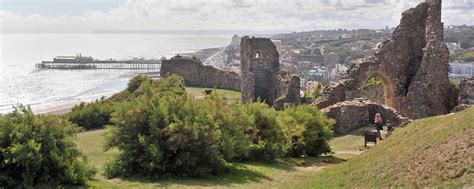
378	125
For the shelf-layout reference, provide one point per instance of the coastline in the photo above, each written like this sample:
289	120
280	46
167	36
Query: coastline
59	108
64	107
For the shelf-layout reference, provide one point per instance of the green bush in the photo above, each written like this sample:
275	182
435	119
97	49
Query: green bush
269	141
249	131
307	129
164	133
161	131
136	82
39	151
91	116
236	126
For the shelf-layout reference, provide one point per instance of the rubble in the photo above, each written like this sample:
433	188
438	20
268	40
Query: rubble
350	115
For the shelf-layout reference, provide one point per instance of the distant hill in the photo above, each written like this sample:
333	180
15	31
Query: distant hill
431	152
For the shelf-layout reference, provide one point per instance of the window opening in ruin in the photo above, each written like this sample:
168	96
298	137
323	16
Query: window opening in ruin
258	55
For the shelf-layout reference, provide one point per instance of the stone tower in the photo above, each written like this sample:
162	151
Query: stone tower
259	67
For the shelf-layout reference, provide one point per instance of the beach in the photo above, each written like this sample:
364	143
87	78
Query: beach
54	91
58	109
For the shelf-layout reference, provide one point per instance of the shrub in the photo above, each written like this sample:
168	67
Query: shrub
235	125
161	131
307	129
164	132
91	116
98	114
39	151
269	141
135	82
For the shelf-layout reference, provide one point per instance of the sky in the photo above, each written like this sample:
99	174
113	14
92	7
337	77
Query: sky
259	15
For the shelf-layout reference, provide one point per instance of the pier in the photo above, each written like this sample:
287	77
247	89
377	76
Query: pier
80	62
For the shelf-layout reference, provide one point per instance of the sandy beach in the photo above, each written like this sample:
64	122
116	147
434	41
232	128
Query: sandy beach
58	109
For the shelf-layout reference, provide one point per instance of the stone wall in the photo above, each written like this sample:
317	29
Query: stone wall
259	65
466	91
195	74
288	91
350	115
374	93
466	95
262	77
412	65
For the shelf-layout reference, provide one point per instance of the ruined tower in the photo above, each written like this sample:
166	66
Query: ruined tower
259	67
412	65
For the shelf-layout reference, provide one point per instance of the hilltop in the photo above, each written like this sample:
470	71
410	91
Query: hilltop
436	151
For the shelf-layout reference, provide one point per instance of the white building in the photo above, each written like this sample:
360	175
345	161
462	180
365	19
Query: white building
461	70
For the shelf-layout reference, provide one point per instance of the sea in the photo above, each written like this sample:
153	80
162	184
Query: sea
21	83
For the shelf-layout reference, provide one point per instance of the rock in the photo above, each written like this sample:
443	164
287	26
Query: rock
350	115
195	74
461	107
412	65
262	77
466	91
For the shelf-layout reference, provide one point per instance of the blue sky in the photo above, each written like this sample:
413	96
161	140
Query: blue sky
296	15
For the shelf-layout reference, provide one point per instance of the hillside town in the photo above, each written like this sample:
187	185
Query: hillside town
324	55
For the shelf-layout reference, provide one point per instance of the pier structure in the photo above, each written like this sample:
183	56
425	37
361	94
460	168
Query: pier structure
80	62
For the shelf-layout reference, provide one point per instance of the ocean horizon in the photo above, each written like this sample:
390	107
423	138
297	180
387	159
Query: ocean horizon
22	83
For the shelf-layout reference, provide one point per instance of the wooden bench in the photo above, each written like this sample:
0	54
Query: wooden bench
208	91
370	136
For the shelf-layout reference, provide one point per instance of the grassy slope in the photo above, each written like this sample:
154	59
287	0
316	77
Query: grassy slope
436	151
199	93
432	151
283	172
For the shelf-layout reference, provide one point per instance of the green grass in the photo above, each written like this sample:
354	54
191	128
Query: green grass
431	152
199	93
91	143
281	172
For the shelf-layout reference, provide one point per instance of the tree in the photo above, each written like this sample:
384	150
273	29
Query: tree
40	151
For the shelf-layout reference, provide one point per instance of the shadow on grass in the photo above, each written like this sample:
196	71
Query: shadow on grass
237	174
312	161
242	173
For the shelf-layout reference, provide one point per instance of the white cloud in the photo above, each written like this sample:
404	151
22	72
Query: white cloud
235	14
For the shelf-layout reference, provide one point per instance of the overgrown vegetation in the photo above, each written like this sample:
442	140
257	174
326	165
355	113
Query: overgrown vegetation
161	131
98	114
464	36
39	151
307	130
91	116
372	81
464	56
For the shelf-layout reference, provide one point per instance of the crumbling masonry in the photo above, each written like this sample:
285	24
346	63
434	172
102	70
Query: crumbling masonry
261	76
412	65
195	74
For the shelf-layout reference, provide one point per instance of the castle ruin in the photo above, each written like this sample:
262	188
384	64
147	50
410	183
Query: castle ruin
412	66
261	76
195	74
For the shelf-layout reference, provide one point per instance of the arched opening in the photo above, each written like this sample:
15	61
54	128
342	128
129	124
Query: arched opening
258	55
379	88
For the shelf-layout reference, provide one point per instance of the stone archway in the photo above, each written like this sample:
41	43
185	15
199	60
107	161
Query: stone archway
385	96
